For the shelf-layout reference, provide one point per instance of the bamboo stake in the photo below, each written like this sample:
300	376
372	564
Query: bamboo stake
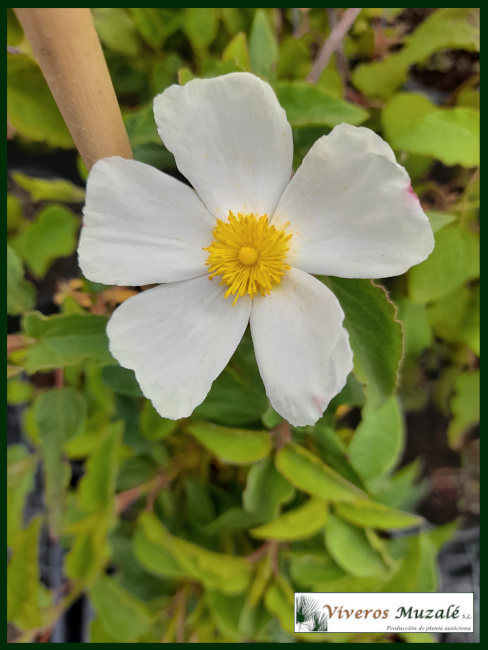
66	45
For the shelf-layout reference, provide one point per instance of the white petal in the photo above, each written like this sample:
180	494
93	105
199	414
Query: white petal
230	139
178	338
141	226
352	210
301	348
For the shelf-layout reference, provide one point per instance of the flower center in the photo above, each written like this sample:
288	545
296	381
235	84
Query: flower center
248	254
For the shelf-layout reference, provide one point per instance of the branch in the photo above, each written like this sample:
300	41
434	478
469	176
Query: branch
332	43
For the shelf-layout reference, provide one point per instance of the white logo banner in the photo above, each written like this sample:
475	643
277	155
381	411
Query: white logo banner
383	612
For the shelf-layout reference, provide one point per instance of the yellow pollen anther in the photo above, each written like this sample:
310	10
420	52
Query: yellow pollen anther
249	255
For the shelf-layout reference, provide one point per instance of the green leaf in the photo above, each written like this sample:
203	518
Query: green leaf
53	234
168	555
121	380
238	52
308	105
454	260
402	113
23	586
378	440
153	426
116	30
122	614
264	479
309	570
42	189
97	487
21	294
308	473
300	523
351	548
60	415
141	127
201	26
375	334
333	452
376	515
263	47
465	405
239	446
451	135
153	25
237	396
21	468
14	30
418	568
31	108
65	340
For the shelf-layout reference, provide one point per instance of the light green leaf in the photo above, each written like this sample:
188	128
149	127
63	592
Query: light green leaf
121	380
60	415
239	446
300	523
452	136
454	260
141	127
21	294
402	113
438	220
168	555
417	330
122	614
294	63
376	515
53	234
23	586
465	405
378	440
263	47
456	317
375	334
351	549
308	473
308	105
31	108
264	479
65	340
201	26
116	30
153	426
238	52
42	189
279	601
97	487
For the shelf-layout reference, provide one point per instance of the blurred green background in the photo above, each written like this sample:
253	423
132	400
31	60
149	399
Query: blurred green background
200	530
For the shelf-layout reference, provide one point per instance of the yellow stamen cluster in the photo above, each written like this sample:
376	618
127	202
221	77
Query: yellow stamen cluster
248	254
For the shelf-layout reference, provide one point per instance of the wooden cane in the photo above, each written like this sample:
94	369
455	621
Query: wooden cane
66	45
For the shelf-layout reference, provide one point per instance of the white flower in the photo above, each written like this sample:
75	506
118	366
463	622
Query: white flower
348	212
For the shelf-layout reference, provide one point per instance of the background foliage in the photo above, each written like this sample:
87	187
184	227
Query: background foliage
201	529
